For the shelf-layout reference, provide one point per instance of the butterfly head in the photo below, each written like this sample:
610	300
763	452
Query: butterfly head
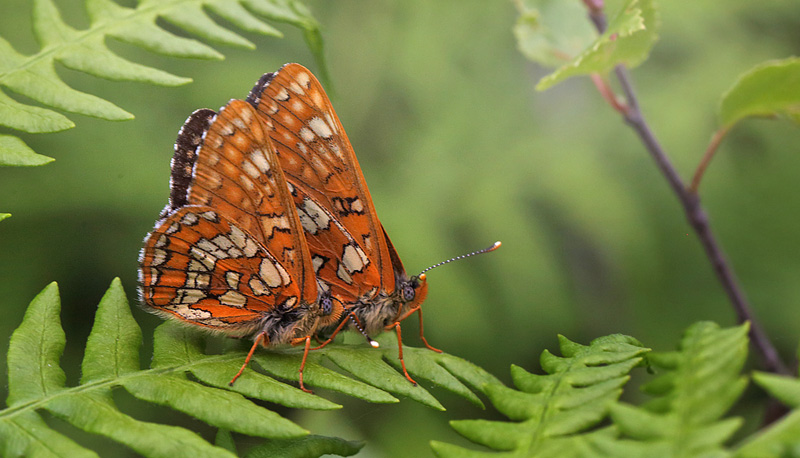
414	290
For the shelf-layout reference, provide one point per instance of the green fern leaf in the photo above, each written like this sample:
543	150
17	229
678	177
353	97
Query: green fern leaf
697	385
304	447
548	409
781	438
34	76
14	152
111	360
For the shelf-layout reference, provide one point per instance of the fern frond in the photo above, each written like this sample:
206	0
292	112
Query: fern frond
781	438
305	446
697	385
548	409
111	360
34	76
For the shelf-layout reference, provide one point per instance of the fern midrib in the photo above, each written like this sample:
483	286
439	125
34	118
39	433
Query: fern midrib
155	10
10	412
538	431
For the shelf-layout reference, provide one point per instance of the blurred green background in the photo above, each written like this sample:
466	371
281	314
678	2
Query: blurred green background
459	151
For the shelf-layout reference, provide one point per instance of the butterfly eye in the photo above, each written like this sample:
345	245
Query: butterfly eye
327	305
408	292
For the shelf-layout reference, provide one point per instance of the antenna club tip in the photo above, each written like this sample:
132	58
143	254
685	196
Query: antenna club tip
497	245
374	344
422	277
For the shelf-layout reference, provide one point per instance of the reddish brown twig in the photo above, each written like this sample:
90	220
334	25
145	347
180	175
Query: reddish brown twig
695	213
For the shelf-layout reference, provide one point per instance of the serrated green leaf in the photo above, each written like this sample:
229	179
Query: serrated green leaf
31	119
786	389
242	18
192	18
14	152
552	409
85	50
700	382
627	41
255	385
113	346
551	32
371	368
224	439
96	413
35	350
41	83
28	435
769	89
204	403
306	447
92	57
318	376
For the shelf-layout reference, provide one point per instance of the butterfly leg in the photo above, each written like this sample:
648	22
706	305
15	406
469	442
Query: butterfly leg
303	364
335	332
260	338
421	336
396	326
407	314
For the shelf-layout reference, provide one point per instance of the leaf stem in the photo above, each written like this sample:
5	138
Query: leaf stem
716	139
695	213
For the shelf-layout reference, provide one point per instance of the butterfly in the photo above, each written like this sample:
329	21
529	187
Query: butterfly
350	250
229	253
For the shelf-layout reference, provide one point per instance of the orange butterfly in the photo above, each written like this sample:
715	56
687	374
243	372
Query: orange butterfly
349	248
229	253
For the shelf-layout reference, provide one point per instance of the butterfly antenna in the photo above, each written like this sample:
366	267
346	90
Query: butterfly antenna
485	250
360	328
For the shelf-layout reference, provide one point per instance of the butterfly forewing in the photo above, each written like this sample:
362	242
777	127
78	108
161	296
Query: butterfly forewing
333	202
237	173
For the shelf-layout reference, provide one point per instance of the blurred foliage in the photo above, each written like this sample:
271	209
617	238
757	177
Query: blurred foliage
458	151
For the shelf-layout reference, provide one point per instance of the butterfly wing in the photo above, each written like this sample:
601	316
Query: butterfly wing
201	268
343	232
230	253
236	171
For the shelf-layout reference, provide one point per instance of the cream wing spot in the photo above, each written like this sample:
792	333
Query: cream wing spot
259	158
159	257
233	299
320	127
207	260
317	261
251	170
232	279
282	95
268	272
353	258
173	228
297	106
343	275
303	79
357	206
306	135
155	274
189	219
296	88
258	286
161	242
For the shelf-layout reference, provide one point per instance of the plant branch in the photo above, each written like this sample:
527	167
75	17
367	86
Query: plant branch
695	214
709	154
